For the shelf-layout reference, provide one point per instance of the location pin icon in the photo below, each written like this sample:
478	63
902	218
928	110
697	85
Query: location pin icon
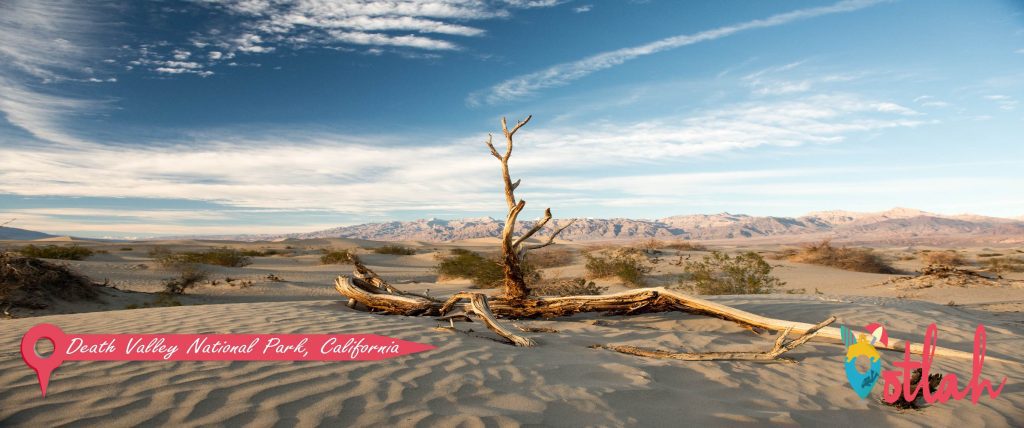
43	366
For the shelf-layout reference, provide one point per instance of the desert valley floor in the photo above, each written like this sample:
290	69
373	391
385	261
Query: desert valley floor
471	380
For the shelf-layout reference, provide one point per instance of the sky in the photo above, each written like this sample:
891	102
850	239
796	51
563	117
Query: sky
147	118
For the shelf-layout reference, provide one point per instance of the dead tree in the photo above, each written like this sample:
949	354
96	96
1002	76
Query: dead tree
513	250
368	291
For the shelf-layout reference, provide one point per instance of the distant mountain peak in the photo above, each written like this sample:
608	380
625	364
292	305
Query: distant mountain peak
897	225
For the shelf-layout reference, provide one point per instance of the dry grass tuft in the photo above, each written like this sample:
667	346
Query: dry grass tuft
846	258
946	258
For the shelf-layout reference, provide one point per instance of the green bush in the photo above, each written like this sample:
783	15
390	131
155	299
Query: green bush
484	272
215	256
397	250
335	257
626	264
717	273
72	252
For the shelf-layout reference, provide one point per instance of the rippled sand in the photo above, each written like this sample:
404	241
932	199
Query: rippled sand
470	380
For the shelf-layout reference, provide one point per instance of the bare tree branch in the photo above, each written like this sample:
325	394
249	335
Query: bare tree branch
490	145
536	227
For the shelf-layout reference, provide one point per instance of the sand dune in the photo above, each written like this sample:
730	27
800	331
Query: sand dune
473	381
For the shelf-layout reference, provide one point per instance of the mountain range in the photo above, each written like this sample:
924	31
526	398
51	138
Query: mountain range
895	226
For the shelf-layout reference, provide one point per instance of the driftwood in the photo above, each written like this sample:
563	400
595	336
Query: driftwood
644	300
478	306
773	355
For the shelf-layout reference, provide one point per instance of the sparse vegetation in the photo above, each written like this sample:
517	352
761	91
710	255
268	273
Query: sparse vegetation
397	250
260	253
229	257
846	258
462	263
718	273
551	257
948	258
189	275
484	272
567	287
336	257
651	246
685	246
71	252
627	264
1004	264
32	283
126	248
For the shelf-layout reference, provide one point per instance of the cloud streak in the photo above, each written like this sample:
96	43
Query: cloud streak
342	174
565	73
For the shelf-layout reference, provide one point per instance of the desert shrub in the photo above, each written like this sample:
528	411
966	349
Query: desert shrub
551	257
72	252
462	263
229	257
948	258
718	273
262	253
334	257
990	254
1005	264
189	275
650	246
685	246
159	252
626	264
567	287
397	250
484	272
126	248
32	283
847	258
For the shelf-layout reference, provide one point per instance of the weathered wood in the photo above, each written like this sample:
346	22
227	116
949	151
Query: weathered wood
513	251
773	355
478	306
657	299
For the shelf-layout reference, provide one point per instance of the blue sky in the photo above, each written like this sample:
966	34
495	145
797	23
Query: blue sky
125	119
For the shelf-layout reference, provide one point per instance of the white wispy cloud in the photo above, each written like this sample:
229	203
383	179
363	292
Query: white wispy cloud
583	8
565	73
381	174
930	101
1004	102
253	27
43	46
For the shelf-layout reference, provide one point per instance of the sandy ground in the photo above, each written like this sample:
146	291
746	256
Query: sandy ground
470	380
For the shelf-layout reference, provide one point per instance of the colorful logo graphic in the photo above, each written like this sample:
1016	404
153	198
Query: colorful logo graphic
862	382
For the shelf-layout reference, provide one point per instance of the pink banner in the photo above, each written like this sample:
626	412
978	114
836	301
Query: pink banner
206	347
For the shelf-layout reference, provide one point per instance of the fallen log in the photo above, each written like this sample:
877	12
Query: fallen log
658	299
